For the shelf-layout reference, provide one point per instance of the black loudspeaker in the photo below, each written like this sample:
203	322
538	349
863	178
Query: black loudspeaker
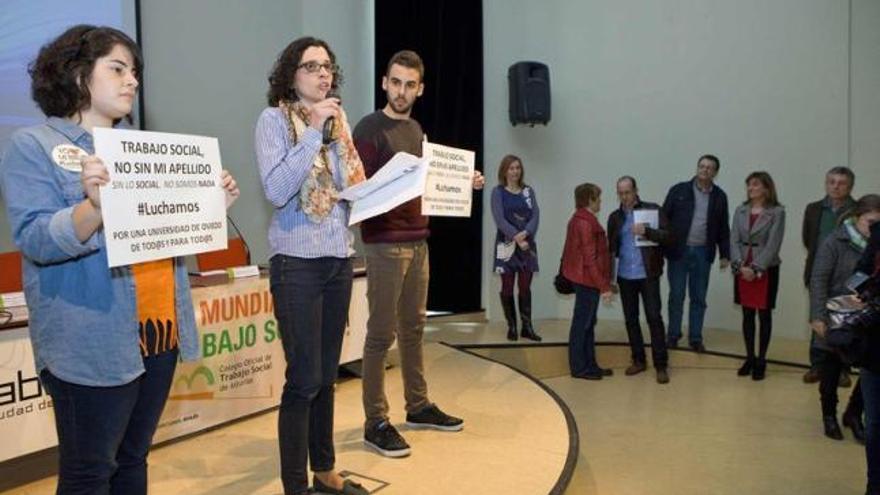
529	84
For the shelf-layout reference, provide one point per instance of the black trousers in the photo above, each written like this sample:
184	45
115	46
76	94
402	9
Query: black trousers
649	290
830	367
311	306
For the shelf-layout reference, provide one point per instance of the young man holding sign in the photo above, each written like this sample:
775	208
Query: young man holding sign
397	267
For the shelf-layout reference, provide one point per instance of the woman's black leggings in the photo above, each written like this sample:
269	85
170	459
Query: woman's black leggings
765	316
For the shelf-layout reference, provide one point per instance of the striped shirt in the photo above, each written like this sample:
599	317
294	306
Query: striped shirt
284	169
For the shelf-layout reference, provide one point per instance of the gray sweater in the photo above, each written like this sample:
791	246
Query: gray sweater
835	262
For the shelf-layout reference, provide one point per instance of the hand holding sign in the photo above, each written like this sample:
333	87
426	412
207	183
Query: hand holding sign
444	177
94	174
230	187
479	181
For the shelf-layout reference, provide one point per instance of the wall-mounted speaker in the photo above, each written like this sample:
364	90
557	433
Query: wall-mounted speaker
529	85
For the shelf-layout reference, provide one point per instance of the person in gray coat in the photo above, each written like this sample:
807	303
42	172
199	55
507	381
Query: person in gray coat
834	263
755	239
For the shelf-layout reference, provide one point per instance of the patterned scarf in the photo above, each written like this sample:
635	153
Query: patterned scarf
319	193
856	238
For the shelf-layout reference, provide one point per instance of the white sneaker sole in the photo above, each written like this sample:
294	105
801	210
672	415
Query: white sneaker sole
429	426
387	453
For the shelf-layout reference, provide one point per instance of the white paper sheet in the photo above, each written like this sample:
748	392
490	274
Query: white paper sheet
398	181
650	217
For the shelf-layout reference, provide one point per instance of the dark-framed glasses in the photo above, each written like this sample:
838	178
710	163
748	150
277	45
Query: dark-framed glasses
312	67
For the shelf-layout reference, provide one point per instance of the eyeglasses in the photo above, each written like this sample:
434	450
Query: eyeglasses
313	67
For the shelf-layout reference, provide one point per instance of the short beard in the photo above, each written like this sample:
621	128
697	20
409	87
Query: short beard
405	109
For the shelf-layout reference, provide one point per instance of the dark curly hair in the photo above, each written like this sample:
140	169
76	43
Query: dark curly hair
284	70
61	72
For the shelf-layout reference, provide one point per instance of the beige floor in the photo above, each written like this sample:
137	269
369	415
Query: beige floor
530	449
707	432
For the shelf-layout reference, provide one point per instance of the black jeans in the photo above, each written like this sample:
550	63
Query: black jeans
830	367
311	306
871	395
816	354
104	433
649	290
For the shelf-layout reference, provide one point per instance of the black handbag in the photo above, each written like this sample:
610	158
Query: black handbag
562	284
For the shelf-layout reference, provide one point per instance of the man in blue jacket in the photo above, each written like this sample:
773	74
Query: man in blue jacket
698	219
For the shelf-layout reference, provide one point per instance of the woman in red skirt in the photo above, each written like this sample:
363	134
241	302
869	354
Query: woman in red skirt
755	239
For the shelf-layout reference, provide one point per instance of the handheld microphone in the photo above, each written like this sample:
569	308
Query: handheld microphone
327	132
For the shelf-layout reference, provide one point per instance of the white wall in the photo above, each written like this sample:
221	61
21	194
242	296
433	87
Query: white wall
865	139
643	88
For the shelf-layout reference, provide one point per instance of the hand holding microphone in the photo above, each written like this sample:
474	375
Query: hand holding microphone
323	114
327	132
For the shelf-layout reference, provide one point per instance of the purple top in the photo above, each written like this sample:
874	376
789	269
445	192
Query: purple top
514	213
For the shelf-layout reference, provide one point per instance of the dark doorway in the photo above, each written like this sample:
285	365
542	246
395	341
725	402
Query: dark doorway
449	37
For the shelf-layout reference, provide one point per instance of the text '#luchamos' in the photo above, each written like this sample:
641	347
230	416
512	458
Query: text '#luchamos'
165	208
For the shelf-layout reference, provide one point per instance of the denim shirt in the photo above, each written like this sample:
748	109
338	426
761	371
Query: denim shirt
83	315
631	266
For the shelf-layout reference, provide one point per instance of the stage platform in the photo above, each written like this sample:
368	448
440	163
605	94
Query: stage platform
516	440
706	432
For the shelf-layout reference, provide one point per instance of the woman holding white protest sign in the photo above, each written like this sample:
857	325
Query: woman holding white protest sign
306	157
106	341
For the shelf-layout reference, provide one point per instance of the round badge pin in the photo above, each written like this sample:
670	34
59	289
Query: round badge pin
69	157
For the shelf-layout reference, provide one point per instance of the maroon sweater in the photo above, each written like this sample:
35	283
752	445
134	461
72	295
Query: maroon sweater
377	138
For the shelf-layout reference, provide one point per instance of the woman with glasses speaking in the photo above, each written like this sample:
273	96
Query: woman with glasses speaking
306	157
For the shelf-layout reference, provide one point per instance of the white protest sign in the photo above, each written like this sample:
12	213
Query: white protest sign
448	187
164	198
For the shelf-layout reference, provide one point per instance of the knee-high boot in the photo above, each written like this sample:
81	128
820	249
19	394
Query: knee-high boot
510	315
525	315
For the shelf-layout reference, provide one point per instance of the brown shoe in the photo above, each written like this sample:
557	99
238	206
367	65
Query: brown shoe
662	376
811	376
635	368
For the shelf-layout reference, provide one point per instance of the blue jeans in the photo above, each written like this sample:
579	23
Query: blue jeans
871	395
691	271
311	305
582	336
104	433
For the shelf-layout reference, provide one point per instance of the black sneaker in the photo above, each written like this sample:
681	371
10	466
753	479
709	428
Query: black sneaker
384	439
432	417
